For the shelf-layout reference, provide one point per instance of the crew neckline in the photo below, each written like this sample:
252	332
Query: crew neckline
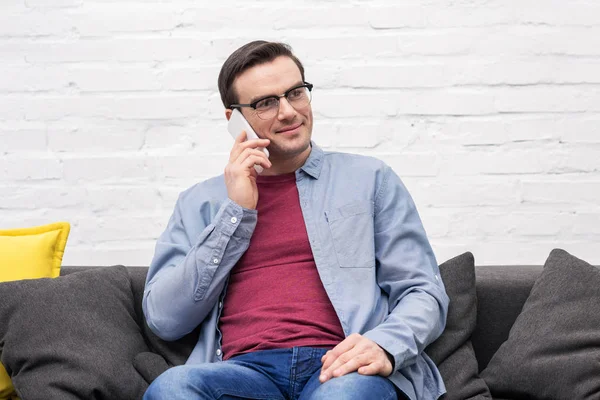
290	176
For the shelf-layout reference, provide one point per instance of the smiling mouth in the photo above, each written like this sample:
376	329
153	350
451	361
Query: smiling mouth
289	128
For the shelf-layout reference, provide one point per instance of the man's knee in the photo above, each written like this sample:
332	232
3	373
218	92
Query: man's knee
354	387
174	383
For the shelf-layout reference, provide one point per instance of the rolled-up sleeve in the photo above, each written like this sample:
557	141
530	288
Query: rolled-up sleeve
187	275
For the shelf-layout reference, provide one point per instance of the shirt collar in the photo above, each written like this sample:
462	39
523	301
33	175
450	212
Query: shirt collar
313	164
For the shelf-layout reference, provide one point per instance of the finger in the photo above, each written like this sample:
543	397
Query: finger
241	137
352	365
253	160
251	152
241	144
343	359
341	348
375	368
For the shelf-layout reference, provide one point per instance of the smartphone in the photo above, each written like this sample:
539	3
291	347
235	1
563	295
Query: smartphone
237	123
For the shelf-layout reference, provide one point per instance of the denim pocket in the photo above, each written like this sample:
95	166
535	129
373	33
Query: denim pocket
352	233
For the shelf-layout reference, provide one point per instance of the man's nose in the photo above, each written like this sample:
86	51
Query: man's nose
286	111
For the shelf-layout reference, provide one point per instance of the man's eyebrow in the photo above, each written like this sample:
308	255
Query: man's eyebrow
257	98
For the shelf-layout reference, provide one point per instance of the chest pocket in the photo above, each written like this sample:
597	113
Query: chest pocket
352	233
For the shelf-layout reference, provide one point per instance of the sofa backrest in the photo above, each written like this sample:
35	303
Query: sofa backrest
501	293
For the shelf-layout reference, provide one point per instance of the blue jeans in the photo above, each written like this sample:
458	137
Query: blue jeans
279	374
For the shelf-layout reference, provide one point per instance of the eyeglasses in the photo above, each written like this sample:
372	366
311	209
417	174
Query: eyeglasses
267	107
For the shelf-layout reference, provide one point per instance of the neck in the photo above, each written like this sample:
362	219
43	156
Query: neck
287	165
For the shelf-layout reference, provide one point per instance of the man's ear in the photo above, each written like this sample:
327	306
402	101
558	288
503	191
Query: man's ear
228	112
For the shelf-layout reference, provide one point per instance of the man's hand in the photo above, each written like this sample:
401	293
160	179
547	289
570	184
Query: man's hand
240	175
355	353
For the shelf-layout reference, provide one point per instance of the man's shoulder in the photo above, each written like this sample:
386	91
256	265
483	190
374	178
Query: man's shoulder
207	190
353	160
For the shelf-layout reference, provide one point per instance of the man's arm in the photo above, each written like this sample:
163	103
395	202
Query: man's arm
187	275
408	272
185	279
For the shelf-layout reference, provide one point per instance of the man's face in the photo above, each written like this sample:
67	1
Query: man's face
290	129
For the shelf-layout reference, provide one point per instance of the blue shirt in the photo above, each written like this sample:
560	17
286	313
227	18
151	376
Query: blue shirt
369	245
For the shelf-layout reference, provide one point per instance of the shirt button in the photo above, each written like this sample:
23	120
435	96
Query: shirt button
216	261
233	220
219	352
220	304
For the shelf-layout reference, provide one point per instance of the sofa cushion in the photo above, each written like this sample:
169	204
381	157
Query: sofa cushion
553	348
452	351
72	337
28	253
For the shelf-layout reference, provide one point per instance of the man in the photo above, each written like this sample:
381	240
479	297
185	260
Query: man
312	280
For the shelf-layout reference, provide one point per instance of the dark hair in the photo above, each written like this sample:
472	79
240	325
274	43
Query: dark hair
247	56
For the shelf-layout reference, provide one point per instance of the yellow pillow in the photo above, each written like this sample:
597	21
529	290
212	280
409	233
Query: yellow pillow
30	253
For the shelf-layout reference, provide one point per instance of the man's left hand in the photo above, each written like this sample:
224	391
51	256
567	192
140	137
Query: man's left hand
355	353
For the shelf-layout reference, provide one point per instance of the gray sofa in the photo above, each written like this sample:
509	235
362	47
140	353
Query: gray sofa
487	303
501	293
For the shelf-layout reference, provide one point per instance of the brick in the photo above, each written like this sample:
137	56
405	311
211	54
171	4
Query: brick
35	23
437	193
412	164
559	13
427	43
95	138
561	192
358	135
105	169
191	78
455	72
122	227
192	166
114	79
33	78
497	162
580	159
580	129
97	19
150	106
319	15
351	46
111	199
46	4
401	16
17	140
151	49
206	137
510	224
29	197
19	168
467	15
547	99
586	224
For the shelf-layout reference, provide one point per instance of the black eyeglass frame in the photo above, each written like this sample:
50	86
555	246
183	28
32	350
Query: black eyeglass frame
307	85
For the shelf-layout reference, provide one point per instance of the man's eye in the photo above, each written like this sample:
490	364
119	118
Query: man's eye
296	93
267	103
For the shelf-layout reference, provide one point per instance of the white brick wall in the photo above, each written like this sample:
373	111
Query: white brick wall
489	110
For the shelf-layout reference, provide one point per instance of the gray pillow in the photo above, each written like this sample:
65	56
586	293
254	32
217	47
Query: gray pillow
553	349
452	351
72	337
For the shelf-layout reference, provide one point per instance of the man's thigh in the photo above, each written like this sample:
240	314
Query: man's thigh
220	380
352	386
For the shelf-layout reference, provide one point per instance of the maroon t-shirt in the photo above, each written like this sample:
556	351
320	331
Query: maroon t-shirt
275	298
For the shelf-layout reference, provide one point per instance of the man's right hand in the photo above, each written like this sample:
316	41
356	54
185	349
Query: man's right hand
240	175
